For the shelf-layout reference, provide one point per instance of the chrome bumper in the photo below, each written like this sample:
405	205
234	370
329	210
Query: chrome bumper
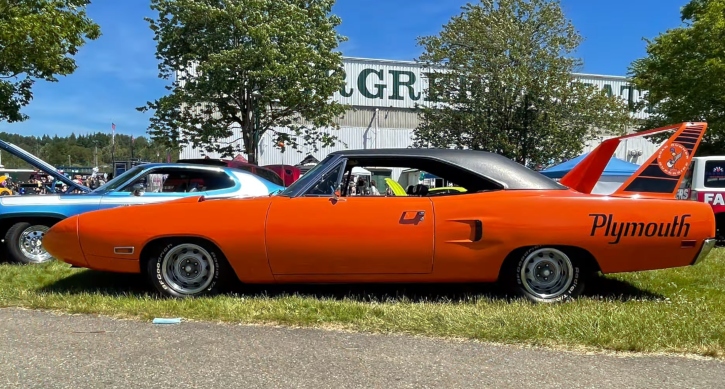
705	250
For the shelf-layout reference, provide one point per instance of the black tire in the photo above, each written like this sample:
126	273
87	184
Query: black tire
200	256
13	244
539	263
720	229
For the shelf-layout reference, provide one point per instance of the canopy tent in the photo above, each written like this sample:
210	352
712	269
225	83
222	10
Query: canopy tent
358	171
309	160
615	167
613	176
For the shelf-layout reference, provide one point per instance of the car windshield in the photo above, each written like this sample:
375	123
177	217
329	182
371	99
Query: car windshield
306	178
118	181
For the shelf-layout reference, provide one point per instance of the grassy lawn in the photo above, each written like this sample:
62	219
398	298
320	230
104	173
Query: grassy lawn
674	311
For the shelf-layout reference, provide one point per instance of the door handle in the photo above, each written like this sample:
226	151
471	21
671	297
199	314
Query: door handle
419	217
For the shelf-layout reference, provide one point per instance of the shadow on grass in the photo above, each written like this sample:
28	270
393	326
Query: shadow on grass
101	283
605	288
110	284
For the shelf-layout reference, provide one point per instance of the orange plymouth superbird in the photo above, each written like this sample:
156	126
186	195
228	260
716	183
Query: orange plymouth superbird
512	224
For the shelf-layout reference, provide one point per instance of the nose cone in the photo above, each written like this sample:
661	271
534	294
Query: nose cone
62	242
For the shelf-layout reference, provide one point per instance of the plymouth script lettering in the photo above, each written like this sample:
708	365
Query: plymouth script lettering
605	225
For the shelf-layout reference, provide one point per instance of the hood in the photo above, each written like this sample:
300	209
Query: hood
40	165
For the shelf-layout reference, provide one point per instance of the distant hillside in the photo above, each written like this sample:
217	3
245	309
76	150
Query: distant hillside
81	149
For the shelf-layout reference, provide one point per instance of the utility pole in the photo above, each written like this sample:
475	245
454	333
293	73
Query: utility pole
95	154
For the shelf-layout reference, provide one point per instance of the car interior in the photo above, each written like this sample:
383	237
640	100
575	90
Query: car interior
459	180
181	181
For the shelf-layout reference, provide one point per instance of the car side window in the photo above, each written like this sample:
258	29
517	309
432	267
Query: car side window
714	174
327	185
181	181
270	176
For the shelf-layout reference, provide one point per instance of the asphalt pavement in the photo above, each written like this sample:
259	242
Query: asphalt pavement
48	350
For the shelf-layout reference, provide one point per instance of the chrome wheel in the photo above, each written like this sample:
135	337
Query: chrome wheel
188	269
31	244
547	273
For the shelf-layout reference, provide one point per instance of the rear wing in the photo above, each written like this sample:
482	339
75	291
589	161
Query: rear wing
659	176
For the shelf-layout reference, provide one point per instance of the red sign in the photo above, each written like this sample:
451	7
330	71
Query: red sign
715	199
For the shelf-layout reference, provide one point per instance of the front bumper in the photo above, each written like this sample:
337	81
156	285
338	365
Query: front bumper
705	250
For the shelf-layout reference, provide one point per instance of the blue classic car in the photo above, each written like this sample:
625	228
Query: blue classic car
24	219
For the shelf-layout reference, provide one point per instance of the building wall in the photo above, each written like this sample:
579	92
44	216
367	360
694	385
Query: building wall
382	96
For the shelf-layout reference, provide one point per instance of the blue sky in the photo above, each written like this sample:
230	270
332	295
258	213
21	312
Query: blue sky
118	72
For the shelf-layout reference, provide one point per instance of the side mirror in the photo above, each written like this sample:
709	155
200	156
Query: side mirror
138	190
336	195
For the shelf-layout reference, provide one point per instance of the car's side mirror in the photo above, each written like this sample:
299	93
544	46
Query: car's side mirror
336	195
138	190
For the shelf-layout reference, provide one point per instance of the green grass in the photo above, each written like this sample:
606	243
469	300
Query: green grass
673	311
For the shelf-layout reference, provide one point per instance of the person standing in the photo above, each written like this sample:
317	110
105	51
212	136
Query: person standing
373	189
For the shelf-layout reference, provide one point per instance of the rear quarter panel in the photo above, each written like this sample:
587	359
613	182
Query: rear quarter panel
236	226
623	234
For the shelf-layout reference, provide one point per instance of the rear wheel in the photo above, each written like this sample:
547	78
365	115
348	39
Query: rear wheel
24	242
186	269
547	275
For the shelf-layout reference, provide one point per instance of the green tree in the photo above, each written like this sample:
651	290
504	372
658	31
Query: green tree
84	150
38	39
256	65
684	73
501	81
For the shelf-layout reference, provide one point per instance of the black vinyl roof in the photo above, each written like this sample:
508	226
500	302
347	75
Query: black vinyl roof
490	165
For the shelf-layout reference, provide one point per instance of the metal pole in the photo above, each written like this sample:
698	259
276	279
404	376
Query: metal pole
255	132
68	159
95	156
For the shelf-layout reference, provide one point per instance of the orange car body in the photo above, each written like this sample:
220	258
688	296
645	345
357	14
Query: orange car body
460	238
276	243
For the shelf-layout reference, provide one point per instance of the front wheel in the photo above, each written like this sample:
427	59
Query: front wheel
547	275
24	243
186	269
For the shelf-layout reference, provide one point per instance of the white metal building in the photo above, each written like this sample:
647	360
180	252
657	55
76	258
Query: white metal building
382	95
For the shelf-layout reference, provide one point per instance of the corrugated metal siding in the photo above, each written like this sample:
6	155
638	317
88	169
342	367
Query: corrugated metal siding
348	138
384	84
396	119
387	118
616	86
371	83
379	83
369	138
634	150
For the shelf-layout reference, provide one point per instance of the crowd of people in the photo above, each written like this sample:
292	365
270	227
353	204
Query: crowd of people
41	183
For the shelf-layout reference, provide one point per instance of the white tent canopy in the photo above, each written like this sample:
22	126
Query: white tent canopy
358	171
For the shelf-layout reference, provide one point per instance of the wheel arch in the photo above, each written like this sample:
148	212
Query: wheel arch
8	220
576	253
157	242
